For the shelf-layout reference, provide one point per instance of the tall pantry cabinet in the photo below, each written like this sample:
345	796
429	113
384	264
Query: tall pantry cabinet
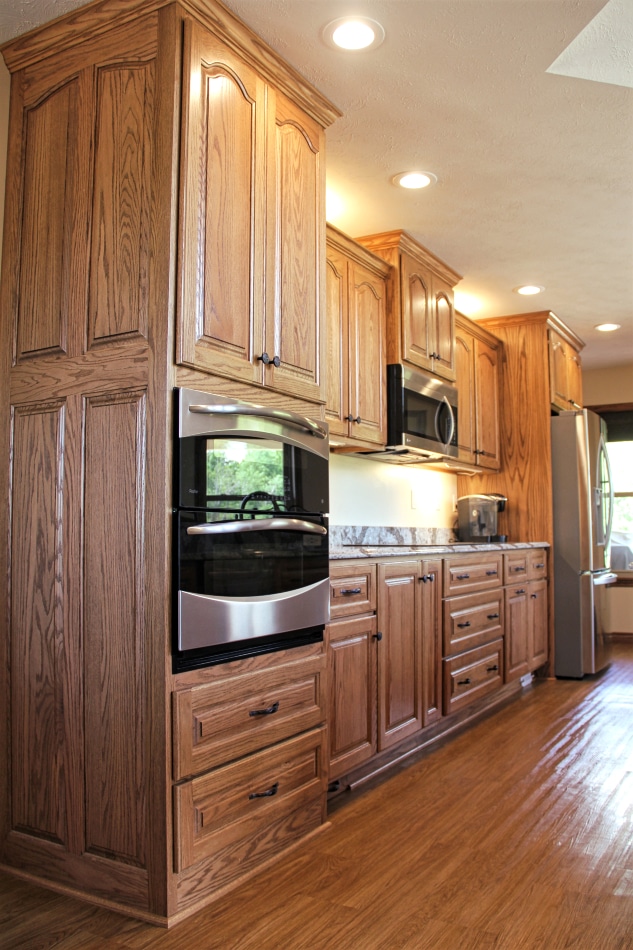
106	306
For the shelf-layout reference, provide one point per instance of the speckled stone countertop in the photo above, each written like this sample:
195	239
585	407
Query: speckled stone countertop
350	541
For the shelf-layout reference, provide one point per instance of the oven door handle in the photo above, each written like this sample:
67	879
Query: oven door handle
281	415
265	524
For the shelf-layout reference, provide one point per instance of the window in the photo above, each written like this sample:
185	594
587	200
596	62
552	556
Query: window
621	459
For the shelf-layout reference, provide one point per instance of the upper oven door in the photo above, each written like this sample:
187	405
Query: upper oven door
241	458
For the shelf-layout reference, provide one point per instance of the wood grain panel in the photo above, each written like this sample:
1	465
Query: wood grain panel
337	372
38	758
115	752
352	693
294	253
399	653
367	336
122	194
49	195
222	211
416	304
431	596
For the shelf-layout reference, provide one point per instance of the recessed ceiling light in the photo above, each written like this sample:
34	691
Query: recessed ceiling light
528	289
607	327
353	33
414	179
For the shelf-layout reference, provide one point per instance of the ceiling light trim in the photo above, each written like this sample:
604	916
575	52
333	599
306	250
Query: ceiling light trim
328	31
416	180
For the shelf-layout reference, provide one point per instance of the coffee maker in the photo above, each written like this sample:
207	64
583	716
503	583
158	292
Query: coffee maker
477	518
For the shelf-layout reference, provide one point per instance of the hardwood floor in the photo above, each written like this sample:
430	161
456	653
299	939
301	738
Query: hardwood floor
517	834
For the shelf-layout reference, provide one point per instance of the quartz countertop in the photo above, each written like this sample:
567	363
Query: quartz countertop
342	551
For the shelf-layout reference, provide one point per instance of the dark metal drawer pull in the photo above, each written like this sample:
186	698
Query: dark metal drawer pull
521	590
265	712
492	669
534	596
493	616
517	570
537	566
492	573
462	577
348	591
465	682
465	624
267	794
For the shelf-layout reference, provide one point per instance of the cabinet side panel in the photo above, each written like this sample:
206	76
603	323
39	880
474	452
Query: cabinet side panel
121	201
113	623
49	192
36	623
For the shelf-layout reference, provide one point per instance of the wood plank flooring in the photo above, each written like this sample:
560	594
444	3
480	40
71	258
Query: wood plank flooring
516	835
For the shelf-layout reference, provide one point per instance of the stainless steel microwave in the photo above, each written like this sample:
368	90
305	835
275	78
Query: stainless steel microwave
421	417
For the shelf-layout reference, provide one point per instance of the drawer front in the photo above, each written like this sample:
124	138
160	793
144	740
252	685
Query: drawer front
352	591
471	675
515	567
537	564
218	722
472	572
472	621
228	814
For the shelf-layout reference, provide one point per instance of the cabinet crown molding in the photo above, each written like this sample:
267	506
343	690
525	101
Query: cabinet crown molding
545	317
403	241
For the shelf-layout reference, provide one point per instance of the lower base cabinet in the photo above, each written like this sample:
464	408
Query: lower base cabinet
526	606
351	645
471	675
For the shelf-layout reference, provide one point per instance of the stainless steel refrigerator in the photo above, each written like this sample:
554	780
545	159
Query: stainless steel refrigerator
583	510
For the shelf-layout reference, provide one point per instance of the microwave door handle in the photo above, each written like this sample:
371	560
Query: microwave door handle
451	416
280	415
265	524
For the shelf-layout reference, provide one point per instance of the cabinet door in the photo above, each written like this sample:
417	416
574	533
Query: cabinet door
367	355
415	290
559	388
487	405
399	653
222	211
337	371
517	626
351	648
431	596
537	623
295	238
465	373
443	331
574	378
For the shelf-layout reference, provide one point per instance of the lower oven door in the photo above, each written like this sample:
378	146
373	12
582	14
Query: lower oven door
241	580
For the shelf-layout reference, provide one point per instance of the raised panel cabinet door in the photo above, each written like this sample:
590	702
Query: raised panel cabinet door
367	355
337	326
487	405
537	623
559	388
465	375
517	632
443	331
399	652
294	337
574	378
222	211
415	290
430	587
351	648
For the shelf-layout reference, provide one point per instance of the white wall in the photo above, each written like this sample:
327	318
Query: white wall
364	492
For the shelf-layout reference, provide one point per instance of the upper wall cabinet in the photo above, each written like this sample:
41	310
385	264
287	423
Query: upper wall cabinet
356	294
420	316
565	368
252	226
478	362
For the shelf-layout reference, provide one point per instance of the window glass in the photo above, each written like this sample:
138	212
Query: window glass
621	459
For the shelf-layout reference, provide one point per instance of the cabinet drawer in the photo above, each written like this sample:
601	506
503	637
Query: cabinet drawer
352	591
472	621
218	722
242	813
472	572
471	675
515	567
537	564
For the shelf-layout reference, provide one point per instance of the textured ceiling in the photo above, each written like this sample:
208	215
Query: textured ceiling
534	167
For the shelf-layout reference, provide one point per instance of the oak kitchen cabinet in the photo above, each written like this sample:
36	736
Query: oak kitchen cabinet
92	281
565	369
421	315
477	364
252	195
525	477
526	612
356	326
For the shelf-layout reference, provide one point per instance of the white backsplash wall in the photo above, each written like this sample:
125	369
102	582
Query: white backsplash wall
378	493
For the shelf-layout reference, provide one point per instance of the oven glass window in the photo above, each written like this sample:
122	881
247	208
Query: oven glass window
250	474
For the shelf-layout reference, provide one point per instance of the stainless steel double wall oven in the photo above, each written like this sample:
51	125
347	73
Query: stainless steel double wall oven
250	529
